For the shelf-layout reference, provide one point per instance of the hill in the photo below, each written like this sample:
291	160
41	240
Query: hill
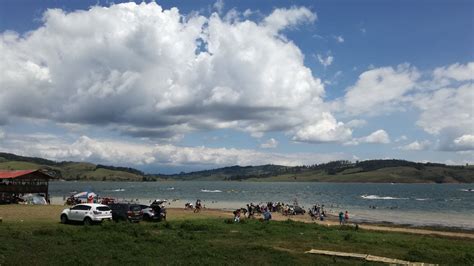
71	170
376	171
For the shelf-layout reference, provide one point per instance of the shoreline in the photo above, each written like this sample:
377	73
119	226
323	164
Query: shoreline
50	213
357	216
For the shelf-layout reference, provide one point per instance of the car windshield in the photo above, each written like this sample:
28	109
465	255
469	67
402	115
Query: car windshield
135	208
103	208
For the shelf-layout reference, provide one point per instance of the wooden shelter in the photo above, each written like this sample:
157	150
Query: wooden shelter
16	183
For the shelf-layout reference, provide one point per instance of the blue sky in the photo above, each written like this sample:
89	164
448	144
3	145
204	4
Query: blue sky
283	82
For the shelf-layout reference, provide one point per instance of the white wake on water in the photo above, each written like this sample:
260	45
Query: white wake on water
211	191
376	197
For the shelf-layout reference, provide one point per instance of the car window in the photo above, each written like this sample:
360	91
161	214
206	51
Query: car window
81	207
135	208
116	207
103	208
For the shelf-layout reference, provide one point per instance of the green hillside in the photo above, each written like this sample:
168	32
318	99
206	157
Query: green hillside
376	171
71	170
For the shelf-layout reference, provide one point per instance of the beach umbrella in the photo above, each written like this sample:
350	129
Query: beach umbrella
85	195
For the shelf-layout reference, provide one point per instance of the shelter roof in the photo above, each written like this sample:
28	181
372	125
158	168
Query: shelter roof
6	174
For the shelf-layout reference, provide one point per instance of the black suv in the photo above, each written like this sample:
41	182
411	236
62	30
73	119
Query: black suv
126	211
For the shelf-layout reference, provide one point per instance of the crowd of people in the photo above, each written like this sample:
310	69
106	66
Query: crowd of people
317	212
264	211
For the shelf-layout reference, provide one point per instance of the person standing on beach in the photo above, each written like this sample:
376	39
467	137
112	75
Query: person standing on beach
341	218
267	216
346	217
249	210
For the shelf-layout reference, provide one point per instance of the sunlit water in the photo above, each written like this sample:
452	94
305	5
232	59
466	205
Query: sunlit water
416	204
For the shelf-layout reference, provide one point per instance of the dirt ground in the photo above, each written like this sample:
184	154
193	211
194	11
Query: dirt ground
50	213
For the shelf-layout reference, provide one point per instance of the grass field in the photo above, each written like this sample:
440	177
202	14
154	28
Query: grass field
208	239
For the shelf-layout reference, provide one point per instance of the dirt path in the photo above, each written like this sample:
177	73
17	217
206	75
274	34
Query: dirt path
333	222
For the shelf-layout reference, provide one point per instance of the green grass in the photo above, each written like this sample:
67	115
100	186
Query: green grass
214	242
17	165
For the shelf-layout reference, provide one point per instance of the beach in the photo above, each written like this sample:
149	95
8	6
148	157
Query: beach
420	205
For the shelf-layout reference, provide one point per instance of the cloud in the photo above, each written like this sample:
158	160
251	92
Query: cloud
401	138
444	102
134	154
270	144
447	110
386	87
146	71
416	146
356	123
339	39
326	129
284	18
218	6
456	71
325	61
2	134
462	143
377	137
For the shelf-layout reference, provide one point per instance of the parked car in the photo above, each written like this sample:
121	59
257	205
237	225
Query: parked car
126	211
148	213
88	213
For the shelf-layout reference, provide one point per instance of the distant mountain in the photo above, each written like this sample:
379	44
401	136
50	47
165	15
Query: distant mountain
376	171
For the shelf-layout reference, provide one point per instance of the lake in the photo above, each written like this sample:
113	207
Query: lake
416	204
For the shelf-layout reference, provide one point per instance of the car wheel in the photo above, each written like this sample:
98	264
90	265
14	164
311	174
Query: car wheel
64	219
87	221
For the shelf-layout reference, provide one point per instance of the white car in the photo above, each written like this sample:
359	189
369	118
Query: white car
87	213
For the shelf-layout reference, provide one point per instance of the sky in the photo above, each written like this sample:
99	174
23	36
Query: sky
171	86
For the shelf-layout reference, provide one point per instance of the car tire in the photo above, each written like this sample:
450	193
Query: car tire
87	221
64	219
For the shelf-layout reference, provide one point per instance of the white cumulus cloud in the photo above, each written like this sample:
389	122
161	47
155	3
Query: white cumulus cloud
416	146
379	89
127	153
377	137
269	144
283	18
152	72
326	129
456	71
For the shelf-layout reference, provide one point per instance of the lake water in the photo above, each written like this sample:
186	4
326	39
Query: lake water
417	204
